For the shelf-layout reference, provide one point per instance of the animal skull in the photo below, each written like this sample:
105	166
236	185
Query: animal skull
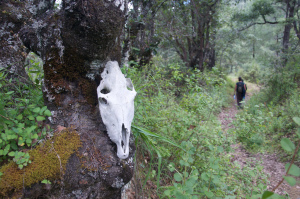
116	103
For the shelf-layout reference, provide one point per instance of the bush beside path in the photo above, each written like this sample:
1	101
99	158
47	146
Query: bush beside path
272	166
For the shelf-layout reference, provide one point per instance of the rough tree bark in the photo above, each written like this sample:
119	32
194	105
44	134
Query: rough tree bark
75	43
12	17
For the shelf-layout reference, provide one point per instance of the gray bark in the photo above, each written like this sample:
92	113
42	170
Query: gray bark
13	15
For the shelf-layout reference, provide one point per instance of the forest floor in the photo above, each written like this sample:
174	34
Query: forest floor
273	167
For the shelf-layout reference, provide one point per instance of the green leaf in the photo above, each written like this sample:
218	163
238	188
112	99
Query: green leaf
267	194
46	182
12	153
37	109
20	166
215	166
1	152
31	117
47	113
7	148
14	146
149	133
35	136
19	117
177	177
40	118
42	110
10	92
297	120
252	174
220	149
185	174
209	194
21	142
191	181
204	176
182	163
171	167
290	180
30	129
167	192
216	180
287	144
21	125
294	170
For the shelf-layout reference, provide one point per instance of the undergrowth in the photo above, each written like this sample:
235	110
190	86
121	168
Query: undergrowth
22	113
270	122
181	105
268	115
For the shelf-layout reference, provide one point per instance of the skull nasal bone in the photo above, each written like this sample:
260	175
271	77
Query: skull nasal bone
104	100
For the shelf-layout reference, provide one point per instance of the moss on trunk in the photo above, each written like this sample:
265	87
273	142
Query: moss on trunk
49	161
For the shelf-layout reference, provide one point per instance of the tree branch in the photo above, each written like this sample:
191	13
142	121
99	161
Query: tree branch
268	22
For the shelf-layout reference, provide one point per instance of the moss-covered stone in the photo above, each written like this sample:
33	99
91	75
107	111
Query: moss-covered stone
49	161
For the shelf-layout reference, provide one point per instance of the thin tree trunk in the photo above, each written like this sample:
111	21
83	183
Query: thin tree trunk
290	5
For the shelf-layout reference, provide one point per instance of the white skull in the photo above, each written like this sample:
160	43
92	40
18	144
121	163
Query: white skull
116	103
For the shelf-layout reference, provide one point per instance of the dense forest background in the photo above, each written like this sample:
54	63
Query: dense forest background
183	58
190	54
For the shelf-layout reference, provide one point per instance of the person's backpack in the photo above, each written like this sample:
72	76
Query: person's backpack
240	87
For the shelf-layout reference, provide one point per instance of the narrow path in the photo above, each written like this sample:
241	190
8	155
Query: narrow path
272	166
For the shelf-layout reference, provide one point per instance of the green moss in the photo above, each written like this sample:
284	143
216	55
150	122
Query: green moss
48	161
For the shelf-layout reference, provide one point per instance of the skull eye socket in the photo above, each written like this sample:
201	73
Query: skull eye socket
104	91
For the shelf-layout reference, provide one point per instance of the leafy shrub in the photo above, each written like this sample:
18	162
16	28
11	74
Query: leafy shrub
251	72
262	125
282	84
21	116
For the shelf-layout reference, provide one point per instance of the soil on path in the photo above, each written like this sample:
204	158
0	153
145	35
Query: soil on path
272	166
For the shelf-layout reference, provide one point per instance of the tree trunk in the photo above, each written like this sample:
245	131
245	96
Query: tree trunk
12	17
75	43
290	7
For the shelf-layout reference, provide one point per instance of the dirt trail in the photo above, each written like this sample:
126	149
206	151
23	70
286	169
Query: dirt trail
272	166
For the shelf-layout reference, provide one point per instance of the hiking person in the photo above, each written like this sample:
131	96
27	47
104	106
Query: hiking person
244	93
238	91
